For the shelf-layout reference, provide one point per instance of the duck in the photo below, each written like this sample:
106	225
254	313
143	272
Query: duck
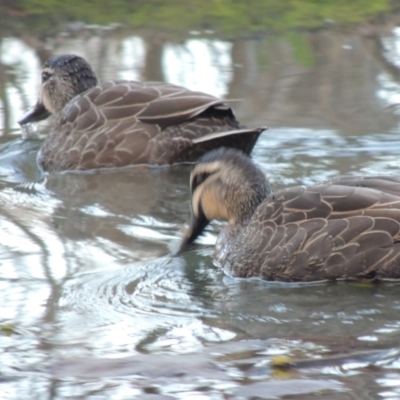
347	228
122	123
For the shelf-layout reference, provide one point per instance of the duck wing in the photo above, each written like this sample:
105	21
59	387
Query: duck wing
387	184
322	232
333	200
152	102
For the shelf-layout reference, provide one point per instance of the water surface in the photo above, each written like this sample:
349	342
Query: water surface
93	303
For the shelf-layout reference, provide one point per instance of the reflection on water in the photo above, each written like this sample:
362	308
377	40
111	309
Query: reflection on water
95	304
317	80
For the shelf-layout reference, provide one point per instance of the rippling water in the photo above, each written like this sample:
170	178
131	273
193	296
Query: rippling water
94	304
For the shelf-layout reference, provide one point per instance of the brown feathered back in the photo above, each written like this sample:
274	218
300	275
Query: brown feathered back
347	228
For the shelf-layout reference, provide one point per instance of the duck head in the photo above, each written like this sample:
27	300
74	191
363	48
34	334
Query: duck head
225	185
63	78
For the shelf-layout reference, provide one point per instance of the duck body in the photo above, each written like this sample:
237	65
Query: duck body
345	229
122	123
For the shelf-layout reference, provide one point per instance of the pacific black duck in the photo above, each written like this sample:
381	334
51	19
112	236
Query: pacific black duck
123	123
348	228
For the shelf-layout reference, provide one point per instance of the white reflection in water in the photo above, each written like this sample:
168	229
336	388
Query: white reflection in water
24	249
190	337
146	227
392	46
11	231
391	380
389	90
17	56
95	210
132	58
143	232
27	236
200	64
21	300
368	338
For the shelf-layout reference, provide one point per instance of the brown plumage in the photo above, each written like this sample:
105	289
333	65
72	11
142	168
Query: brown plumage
347	228
123	123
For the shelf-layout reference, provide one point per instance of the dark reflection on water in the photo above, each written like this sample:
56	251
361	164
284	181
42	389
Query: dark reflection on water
93	302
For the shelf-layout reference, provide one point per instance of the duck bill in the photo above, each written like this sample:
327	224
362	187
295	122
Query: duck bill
196	228
38	113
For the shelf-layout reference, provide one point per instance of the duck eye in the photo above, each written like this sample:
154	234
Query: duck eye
46	76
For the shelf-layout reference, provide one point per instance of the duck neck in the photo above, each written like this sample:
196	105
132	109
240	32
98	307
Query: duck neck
244	210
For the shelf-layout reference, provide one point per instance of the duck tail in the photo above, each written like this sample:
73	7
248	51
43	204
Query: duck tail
219	135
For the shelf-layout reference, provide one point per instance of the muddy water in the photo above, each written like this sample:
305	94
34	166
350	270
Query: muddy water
92	303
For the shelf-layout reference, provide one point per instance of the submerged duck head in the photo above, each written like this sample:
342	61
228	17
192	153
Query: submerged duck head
63	78
225	185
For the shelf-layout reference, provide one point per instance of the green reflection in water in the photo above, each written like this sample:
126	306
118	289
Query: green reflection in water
225	16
